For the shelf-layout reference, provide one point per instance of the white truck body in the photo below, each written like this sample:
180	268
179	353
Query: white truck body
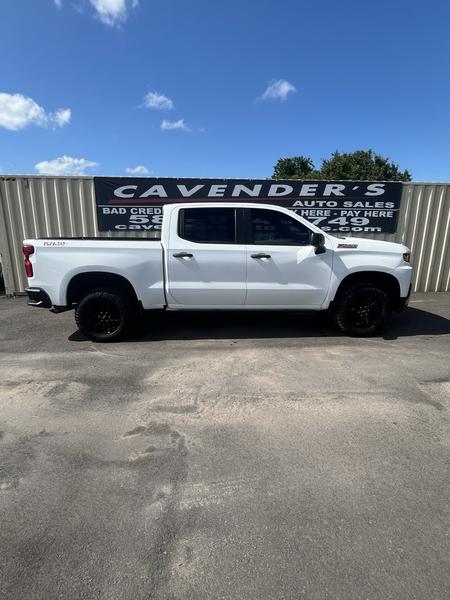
178	273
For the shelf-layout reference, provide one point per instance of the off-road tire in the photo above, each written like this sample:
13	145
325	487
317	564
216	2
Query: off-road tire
104	315
363	310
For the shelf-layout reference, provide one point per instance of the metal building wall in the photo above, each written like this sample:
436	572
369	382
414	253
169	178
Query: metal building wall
33	206
424	226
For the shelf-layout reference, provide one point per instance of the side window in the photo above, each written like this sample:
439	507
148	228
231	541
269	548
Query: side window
208	225
275	228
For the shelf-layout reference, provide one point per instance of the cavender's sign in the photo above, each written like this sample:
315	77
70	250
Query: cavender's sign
135	204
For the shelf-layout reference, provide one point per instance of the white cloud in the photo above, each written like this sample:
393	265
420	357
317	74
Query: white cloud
278	90
159	101
110	12
113	12
18	111
139	170
180	124
65	165
61	117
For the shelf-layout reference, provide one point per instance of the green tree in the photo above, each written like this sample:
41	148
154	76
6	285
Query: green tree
362	165
358	165
296	167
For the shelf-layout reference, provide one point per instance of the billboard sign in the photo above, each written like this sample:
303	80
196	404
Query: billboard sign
135	203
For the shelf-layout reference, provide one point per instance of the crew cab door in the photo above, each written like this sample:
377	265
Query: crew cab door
205	263
283	268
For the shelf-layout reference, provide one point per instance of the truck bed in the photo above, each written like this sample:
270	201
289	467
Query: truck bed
56	261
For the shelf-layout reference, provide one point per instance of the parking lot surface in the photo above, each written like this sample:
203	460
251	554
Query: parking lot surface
225	456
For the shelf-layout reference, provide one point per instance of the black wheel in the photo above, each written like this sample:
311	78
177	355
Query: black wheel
104	315
363	310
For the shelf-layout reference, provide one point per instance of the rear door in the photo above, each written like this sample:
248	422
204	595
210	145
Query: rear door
282	266
206	263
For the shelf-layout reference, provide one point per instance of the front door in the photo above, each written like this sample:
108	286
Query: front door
282	266
205	264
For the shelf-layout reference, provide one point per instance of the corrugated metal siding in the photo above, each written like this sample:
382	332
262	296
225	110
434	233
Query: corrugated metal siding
44	207
65	206
424	226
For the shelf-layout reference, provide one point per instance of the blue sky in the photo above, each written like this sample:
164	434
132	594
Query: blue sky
75	79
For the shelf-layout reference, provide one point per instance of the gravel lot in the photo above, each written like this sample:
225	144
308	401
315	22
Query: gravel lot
225	457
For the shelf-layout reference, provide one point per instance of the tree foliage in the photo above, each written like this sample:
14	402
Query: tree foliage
360	165
296	167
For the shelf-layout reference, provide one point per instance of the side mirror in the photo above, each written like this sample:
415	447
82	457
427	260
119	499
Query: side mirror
318	241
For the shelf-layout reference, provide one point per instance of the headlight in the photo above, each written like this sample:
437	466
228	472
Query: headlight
407	257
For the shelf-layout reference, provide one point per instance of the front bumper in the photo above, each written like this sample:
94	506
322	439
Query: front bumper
38	297
403	302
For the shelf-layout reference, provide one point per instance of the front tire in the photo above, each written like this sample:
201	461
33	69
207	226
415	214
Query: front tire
363	310
104	315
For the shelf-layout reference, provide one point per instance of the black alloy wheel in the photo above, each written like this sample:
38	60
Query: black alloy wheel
363	310
103	315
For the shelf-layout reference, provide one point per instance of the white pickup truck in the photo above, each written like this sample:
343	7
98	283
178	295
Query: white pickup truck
219	256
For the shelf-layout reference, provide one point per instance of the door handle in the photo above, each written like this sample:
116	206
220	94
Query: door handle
182	255
260	255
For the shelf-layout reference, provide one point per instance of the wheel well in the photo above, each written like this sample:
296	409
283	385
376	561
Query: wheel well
387	282
82	283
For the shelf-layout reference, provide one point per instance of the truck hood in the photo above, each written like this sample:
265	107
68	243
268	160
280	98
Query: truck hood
350	244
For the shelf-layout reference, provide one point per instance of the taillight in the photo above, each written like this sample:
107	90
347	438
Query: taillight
27	252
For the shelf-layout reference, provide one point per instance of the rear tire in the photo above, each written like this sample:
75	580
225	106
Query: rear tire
363	310
104	315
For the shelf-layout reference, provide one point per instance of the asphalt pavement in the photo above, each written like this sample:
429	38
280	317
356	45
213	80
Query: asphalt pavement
225	456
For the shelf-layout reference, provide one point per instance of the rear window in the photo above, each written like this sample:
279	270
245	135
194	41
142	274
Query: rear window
208	225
